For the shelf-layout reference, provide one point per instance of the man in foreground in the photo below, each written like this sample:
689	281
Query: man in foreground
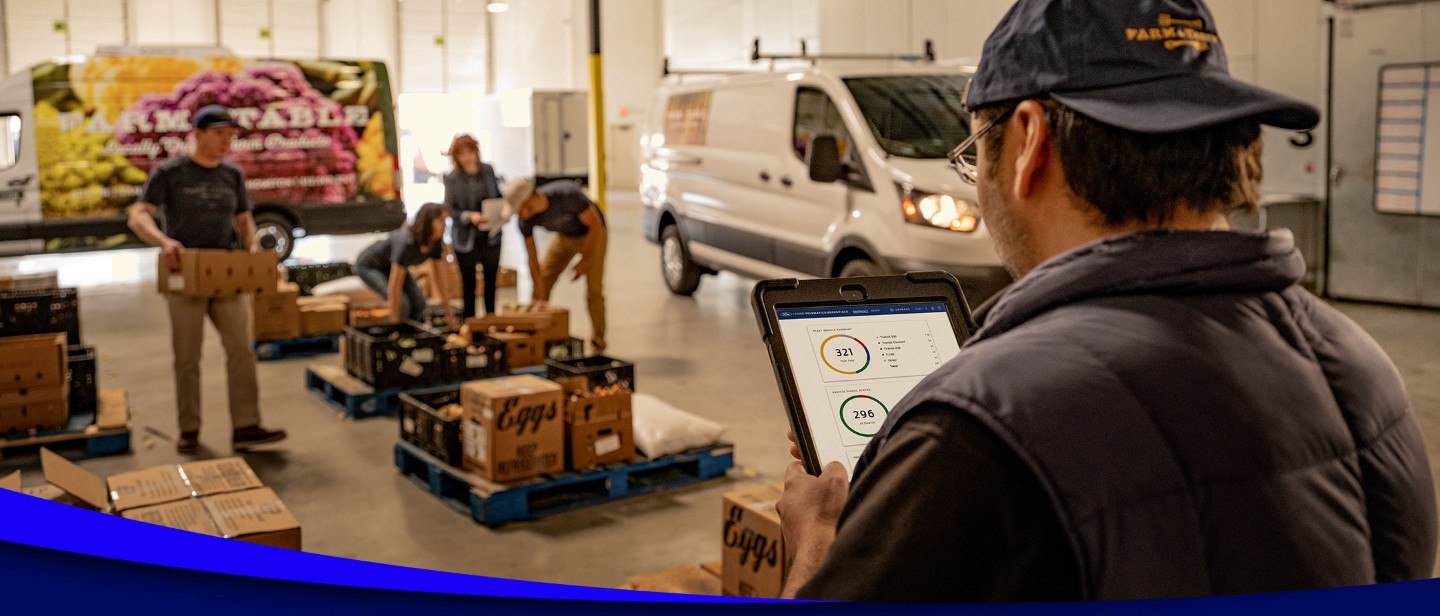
205	205
1155	408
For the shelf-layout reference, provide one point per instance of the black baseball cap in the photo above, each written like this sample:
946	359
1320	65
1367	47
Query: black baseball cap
211	116
1149	66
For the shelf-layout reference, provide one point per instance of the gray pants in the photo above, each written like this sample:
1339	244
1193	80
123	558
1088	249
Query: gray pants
231	317
412	305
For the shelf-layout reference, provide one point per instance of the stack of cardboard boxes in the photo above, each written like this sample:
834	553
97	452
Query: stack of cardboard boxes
221	498
40	386
34	390
278	311
520	427
526	334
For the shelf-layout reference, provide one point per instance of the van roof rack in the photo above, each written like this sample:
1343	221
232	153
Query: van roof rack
666	71
189	51
755	56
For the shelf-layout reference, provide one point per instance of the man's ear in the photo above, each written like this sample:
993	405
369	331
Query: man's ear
1032	137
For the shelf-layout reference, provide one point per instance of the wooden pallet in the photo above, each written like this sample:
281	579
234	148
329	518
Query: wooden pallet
493	504
105	432
271	350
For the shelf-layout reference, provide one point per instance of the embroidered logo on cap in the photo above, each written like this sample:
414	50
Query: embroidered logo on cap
1176	33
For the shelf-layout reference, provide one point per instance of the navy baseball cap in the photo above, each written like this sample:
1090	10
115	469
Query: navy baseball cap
1149	66
211	116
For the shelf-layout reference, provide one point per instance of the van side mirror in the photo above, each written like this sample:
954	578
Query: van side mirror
823	158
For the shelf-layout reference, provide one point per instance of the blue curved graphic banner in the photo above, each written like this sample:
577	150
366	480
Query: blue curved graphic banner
59	559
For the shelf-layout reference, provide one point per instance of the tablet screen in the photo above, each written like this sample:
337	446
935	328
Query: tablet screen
852	364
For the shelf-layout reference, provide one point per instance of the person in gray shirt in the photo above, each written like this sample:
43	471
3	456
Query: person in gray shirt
205	205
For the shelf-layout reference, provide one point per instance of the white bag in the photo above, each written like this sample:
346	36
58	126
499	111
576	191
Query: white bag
349	286
661	429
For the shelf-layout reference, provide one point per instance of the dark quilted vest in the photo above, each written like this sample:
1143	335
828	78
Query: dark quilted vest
1201	424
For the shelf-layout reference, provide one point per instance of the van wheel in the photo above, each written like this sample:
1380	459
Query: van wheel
860	267
681	274
274	232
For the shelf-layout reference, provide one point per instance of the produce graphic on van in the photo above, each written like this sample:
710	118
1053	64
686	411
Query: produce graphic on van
316	140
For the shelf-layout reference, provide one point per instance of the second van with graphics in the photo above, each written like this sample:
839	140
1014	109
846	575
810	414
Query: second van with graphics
816	172
79	136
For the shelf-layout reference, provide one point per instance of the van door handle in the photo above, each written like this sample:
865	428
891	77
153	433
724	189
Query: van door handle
764	176
785	181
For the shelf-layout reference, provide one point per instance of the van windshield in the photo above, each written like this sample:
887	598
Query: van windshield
914	116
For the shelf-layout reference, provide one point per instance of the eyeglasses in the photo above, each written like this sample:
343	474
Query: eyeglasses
963	163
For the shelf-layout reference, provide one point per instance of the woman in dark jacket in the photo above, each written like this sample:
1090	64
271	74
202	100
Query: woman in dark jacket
465	188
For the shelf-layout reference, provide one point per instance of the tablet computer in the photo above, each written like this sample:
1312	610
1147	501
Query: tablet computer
494	212
846	350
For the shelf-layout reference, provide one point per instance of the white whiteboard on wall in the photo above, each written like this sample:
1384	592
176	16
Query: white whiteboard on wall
1407	140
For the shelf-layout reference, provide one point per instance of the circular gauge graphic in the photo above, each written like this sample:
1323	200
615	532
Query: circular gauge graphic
845	354
863	415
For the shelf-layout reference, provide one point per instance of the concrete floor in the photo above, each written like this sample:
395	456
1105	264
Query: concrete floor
701	354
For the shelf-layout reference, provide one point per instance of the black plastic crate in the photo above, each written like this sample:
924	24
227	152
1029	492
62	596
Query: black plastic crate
484	358
422	426
564	350
401	355
84	380
598	370
434	316
41	311
312	275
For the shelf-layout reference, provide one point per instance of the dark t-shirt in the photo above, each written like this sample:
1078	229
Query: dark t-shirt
398	248
199	204
567	203
947	512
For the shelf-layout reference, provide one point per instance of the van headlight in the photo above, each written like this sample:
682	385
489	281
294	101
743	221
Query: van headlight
939	211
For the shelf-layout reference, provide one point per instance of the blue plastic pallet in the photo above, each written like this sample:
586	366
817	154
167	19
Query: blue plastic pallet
271	350
493	504
350	396
354	399
75	441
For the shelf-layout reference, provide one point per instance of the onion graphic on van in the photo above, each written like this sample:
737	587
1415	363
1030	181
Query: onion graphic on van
295	144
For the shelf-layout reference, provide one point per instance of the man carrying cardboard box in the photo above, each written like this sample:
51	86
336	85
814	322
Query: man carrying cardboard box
205	204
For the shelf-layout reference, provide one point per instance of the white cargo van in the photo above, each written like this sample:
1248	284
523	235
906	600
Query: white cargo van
817	172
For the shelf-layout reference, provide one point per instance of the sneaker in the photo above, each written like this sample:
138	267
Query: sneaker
245	438
188	442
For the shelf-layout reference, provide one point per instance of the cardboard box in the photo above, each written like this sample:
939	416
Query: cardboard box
221	498
367	314
29	282
255	516
322	316
508	324
28	362
685	579
513	427
753	563
41	408
276	316
507	279
521	349
188	514
214	273
554	321
598	428
161	484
